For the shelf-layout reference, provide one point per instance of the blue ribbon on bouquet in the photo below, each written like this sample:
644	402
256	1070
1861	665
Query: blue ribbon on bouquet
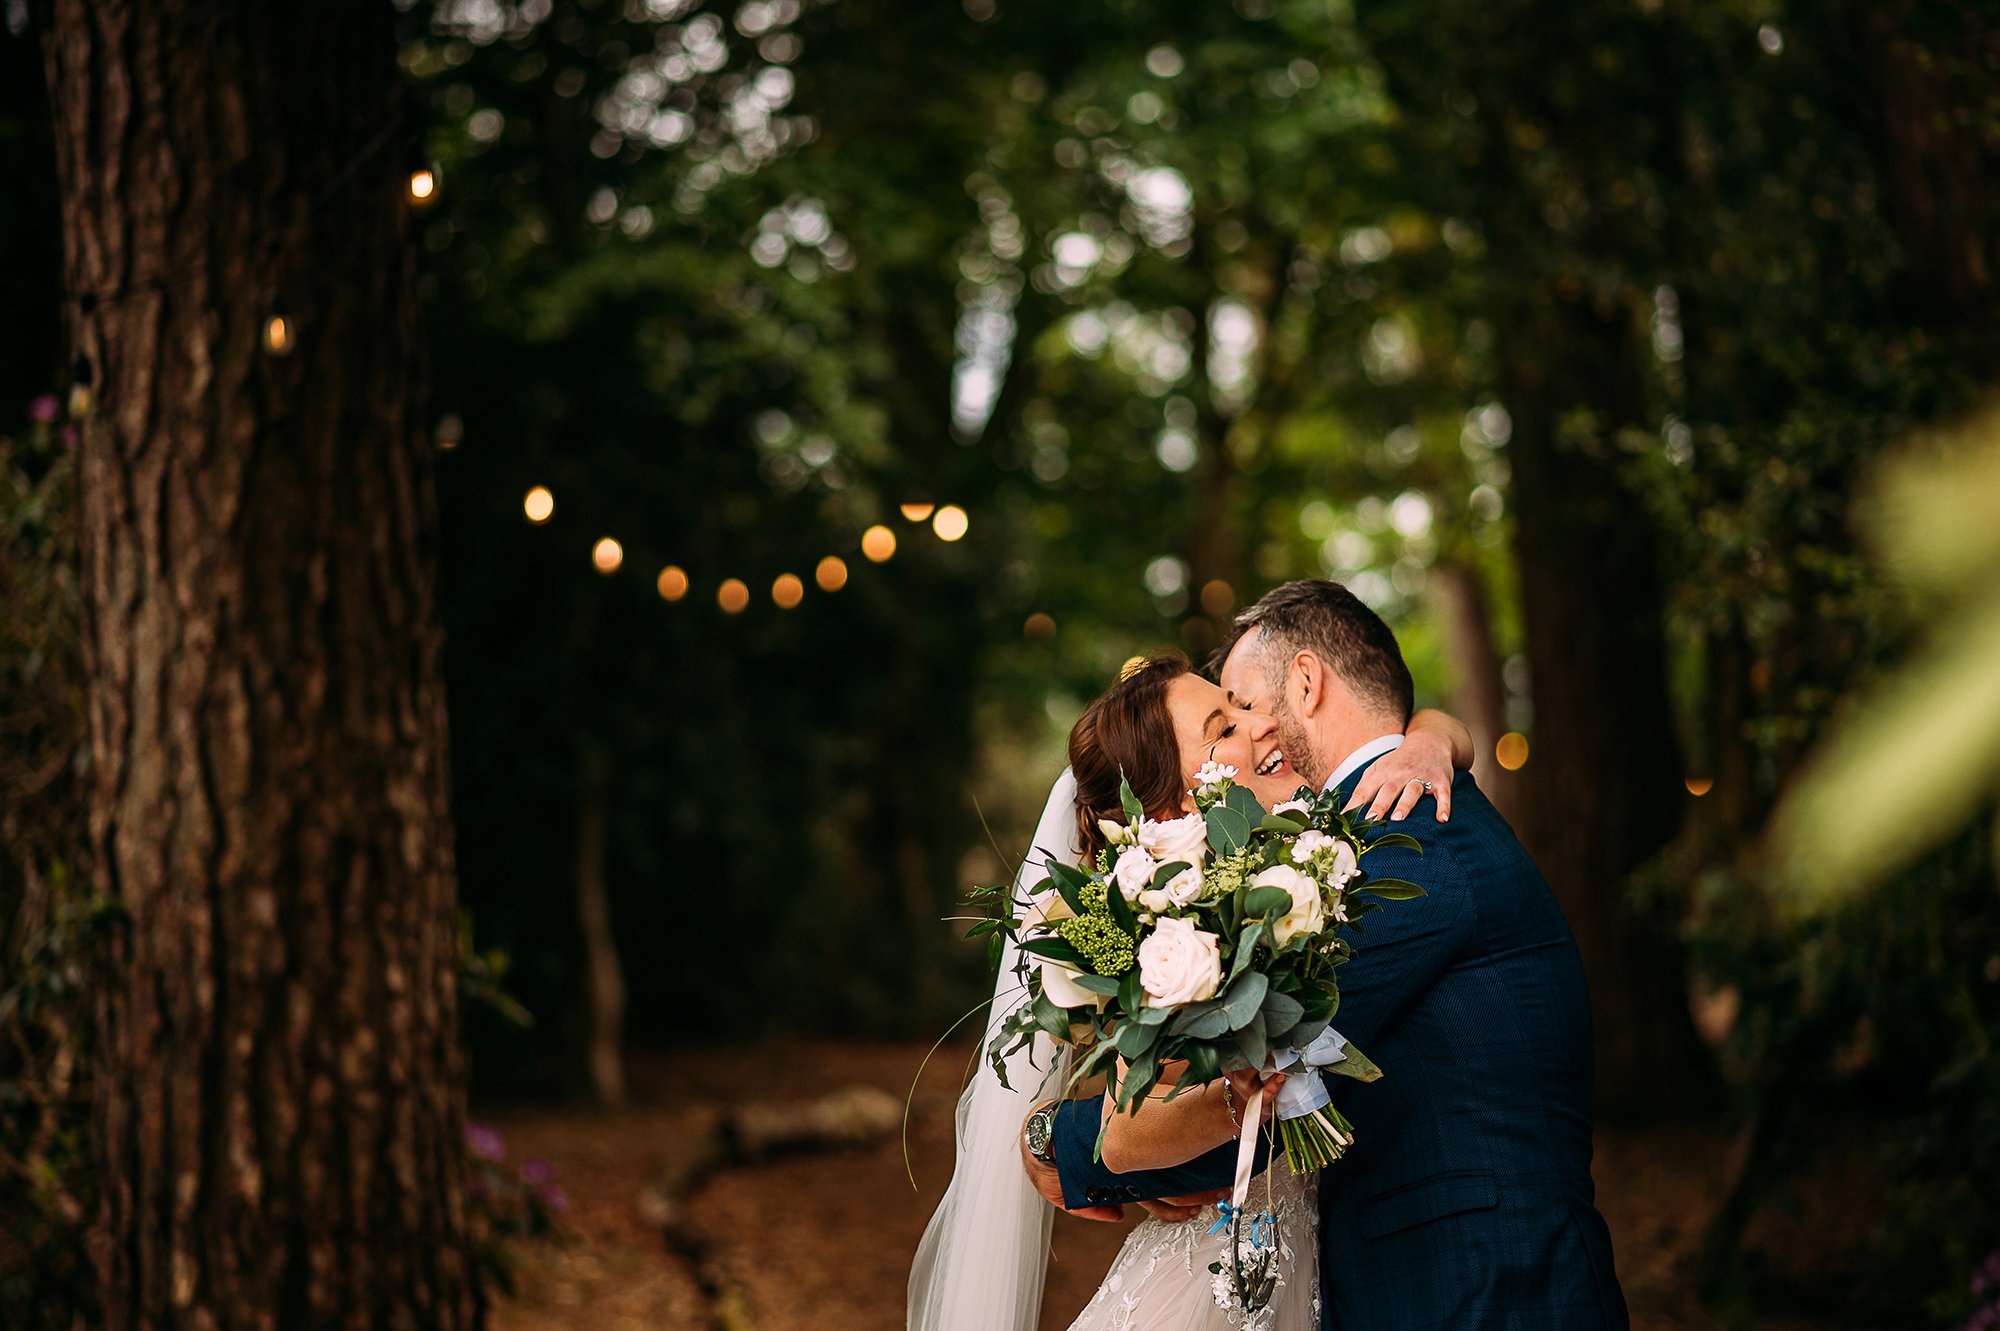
1226	1212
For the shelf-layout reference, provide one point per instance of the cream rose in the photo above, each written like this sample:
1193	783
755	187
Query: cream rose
1307	915
1179	964
1182	889
1059	986
1183	839
1134	871
1345	865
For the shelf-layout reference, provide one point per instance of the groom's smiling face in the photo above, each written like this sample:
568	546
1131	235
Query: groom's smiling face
1249	679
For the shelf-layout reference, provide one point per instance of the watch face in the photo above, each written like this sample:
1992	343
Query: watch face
1039	1126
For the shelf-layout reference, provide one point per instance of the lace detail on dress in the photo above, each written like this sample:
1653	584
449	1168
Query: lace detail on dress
1160	1280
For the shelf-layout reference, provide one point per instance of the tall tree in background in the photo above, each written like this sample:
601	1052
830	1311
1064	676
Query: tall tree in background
279	1115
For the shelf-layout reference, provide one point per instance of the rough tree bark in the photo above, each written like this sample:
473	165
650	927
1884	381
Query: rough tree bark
1603	784
279	1111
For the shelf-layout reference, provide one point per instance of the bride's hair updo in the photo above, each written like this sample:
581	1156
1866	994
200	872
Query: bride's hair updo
1128	729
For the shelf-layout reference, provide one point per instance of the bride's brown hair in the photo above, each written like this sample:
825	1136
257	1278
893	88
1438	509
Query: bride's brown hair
1128	730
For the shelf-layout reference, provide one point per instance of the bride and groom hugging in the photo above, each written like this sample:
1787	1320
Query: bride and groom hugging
1466	1199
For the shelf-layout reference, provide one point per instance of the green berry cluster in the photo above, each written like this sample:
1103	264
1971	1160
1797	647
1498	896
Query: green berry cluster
1107	948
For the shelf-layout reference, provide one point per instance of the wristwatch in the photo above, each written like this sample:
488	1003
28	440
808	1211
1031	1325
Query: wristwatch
1040	1133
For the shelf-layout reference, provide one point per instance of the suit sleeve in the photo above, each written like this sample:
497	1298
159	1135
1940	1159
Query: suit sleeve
1085	1182
1406	945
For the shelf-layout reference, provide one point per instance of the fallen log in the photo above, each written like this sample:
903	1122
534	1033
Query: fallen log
737	1136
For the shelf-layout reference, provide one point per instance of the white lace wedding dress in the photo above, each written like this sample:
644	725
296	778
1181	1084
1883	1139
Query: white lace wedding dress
1161	1281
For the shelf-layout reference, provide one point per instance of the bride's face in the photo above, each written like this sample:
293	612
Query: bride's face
1209	729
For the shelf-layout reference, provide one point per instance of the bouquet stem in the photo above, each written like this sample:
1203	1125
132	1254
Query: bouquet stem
1314	1141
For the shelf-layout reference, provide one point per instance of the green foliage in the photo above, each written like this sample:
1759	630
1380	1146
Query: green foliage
49	923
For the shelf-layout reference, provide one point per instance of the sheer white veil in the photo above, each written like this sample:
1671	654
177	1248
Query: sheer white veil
982	1261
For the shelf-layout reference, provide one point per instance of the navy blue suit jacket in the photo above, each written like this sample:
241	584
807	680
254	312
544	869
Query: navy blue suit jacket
1466	1200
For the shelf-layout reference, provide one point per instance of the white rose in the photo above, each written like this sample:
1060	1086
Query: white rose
1183	839
1309	842
1292	806
1179	964
1134	871
1184	887
1059	986
1307	915
1345	865
1154	900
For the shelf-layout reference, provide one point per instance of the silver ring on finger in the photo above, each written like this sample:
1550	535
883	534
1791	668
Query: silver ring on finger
1426	785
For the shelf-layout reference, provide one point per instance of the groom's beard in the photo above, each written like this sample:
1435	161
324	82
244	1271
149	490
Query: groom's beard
1298	746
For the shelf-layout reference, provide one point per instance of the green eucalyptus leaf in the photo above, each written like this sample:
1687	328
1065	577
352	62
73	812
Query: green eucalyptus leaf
1282	1011
1403	839
1393	889
1056	949
1134	811
1243	997
1356	1065
1266	903
1169	871
1246	947
1228	830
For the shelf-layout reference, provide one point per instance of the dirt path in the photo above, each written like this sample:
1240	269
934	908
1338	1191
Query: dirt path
823	1243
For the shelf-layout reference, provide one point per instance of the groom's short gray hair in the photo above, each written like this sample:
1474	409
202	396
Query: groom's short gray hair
1322	617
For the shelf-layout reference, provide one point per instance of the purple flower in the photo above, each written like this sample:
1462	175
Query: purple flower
45	409
537	1172
556	1200
485	1142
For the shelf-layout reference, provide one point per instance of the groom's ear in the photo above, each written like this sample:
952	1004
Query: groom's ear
1309	675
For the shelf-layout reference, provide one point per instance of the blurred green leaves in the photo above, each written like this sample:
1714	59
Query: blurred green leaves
1917	755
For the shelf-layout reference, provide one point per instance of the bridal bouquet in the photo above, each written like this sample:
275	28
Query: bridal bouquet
1210	938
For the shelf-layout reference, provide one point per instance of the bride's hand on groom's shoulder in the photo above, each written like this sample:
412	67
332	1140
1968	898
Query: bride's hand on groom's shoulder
1395	782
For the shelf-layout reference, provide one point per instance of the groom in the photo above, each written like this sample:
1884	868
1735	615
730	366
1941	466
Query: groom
1466	1200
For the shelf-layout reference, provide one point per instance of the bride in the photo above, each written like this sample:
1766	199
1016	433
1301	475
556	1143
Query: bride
981	1264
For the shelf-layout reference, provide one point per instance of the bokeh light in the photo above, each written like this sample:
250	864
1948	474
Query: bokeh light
733	595
917	512
1039	627
788	591
950	523
607	555
423	185
277	335
1511	752
673	583
1700	785
878	543
831	575
539	504
1218	598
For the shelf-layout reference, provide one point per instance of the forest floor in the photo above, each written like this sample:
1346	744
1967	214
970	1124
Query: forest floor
823	1242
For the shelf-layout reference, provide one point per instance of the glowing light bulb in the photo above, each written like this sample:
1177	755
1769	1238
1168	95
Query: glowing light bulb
607	555
1511	752
878	543
917	512
831	575
950	523
1700	785
539	504
423	185
732	596
673	583
277	335
788	591
1039	627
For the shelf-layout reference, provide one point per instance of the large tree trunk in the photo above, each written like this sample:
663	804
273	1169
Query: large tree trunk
279	1113
1603	783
